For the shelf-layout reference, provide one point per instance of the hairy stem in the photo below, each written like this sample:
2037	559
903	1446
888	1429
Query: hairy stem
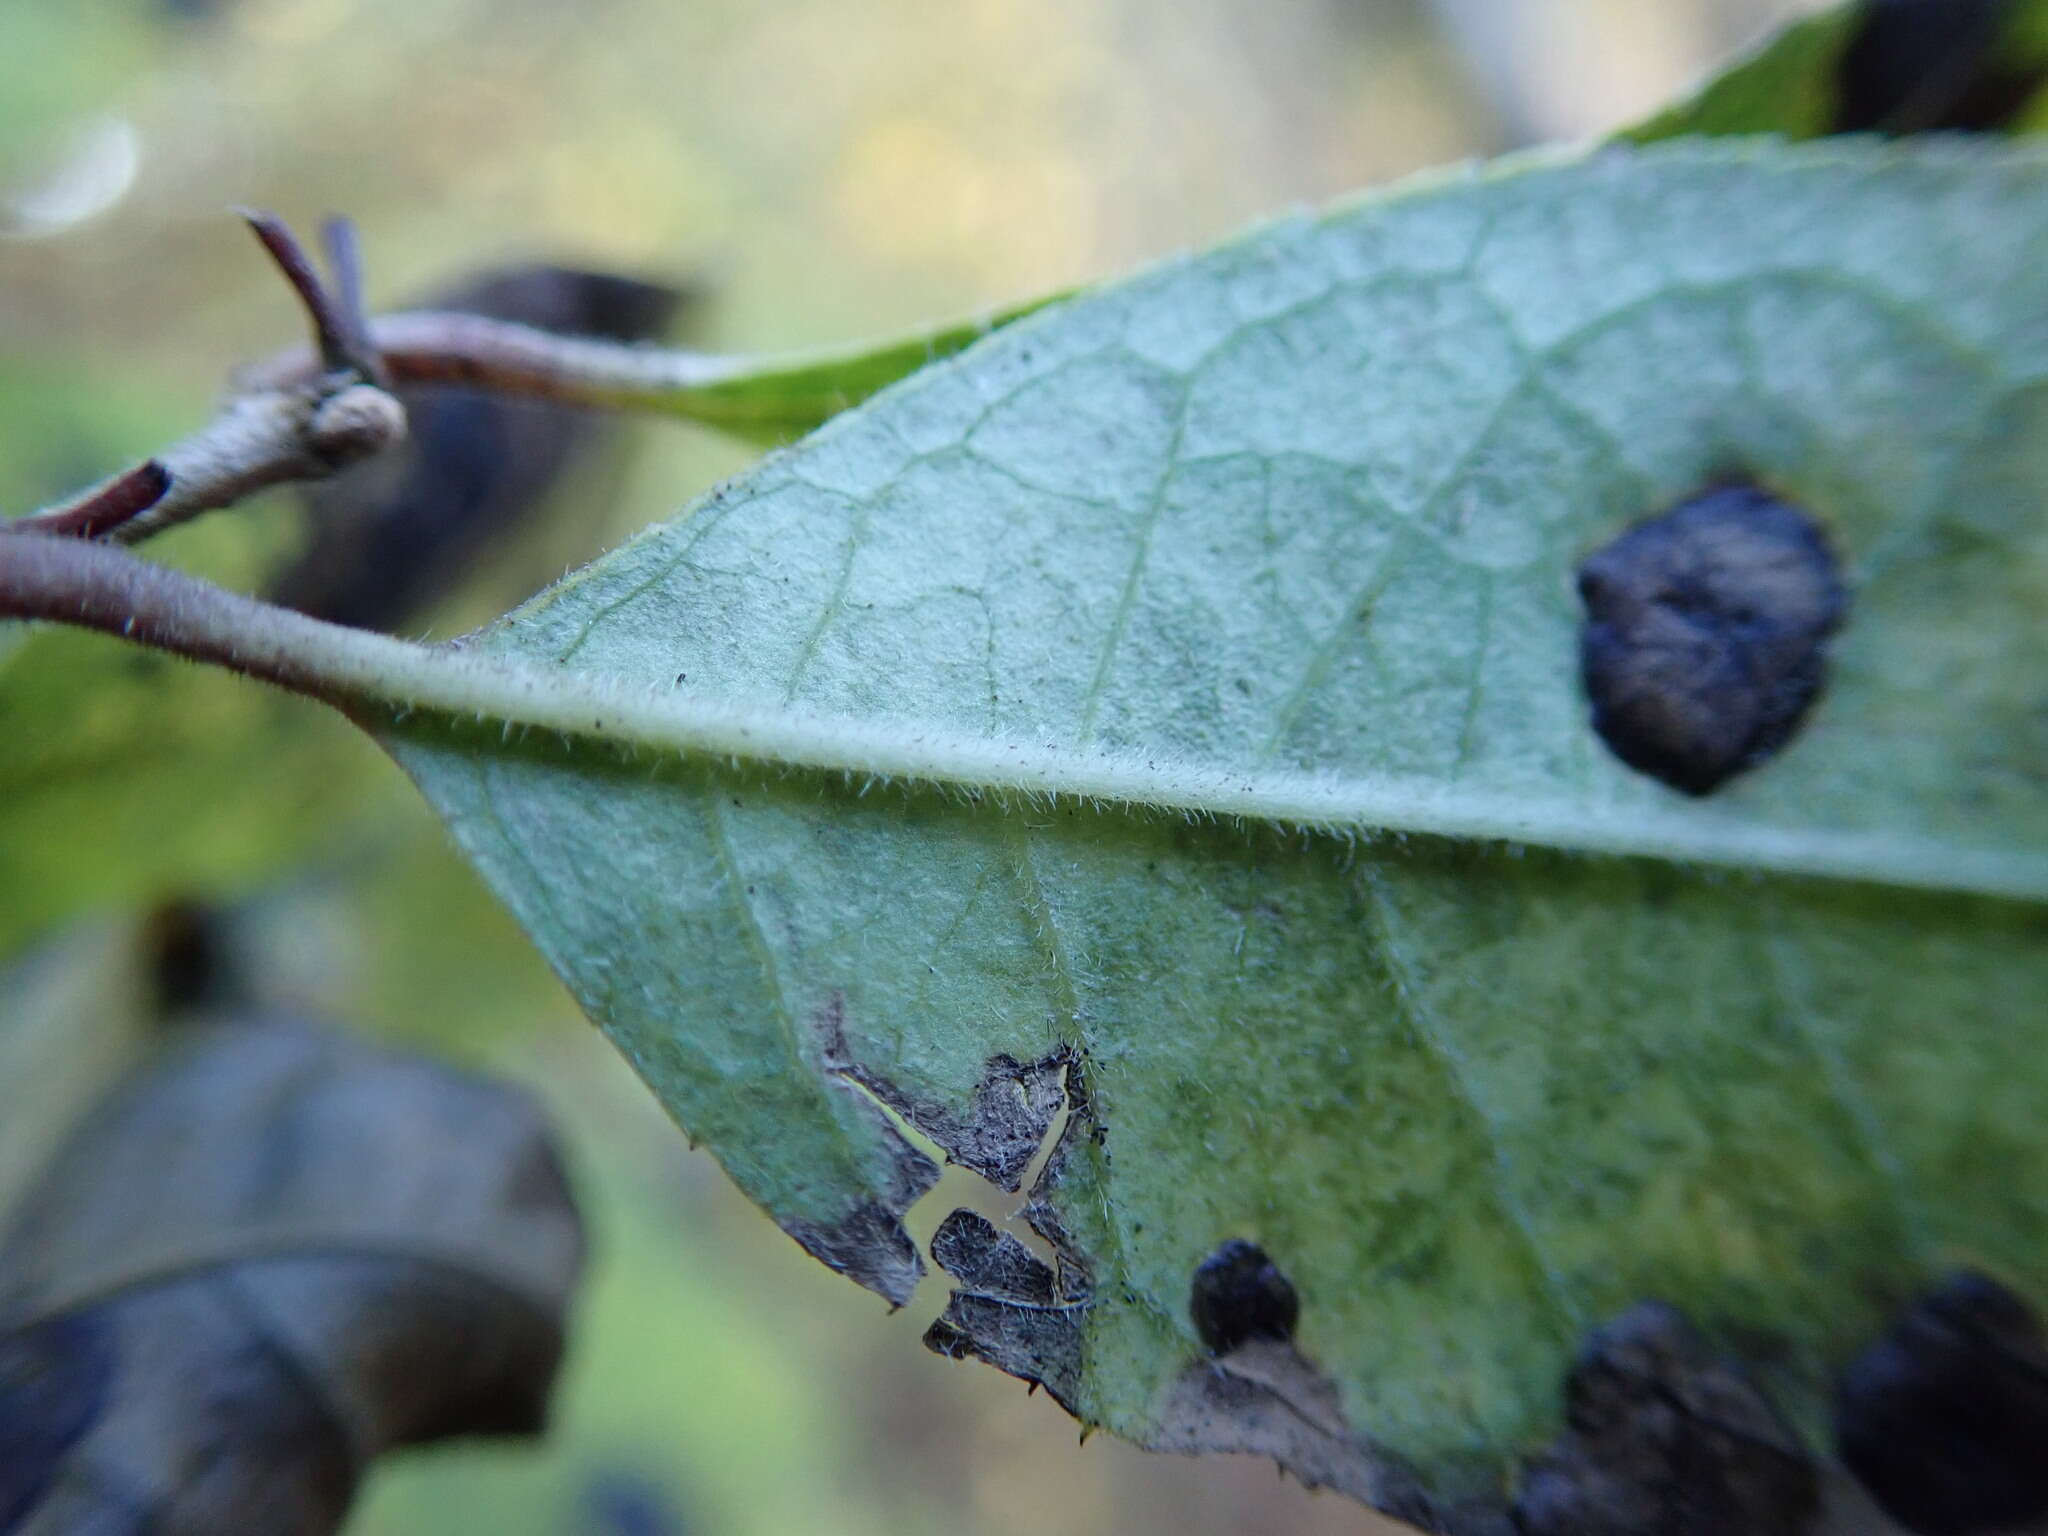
793	392
500	356
76	581
256	442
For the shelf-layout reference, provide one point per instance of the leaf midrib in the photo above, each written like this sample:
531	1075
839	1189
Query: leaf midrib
413	678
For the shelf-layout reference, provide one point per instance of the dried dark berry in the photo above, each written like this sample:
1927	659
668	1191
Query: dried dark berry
1945	1418
393	535
1705	636
1917	66
1240	1294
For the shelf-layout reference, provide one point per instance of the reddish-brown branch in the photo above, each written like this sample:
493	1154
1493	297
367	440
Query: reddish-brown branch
350	318
340	329
105	507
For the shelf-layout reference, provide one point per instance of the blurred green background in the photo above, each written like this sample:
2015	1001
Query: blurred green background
822	170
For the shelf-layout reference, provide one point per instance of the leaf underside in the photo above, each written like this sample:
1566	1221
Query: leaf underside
1301	514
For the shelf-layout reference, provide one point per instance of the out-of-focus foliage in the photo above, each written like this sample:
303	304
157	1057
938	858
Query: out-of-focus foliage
72	1016
159	779
352	1250
58	63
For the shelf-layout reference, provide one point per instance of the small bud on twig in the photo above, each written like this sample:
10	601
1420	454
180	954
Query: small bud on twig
306	430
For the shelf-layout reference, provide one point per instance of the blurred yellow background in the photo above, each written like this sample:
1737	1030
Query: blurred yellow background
825	170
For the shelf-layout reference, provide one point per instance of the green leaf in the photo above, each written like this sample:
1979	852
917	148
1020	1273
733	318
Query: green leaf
1177	695
1786	85
771	400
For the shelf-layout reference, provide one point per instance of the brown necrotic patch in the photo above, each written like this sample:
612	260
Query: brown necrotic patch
1011	1309
1705	636
1014	1106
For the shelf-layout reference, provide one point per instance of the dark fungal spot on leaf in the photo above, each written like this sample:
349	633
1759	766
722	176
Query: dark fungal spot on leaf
1945	1418
1010	1308
1920	66
1239	1294
1704	642
1662	1437
868	1244
1254	1392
